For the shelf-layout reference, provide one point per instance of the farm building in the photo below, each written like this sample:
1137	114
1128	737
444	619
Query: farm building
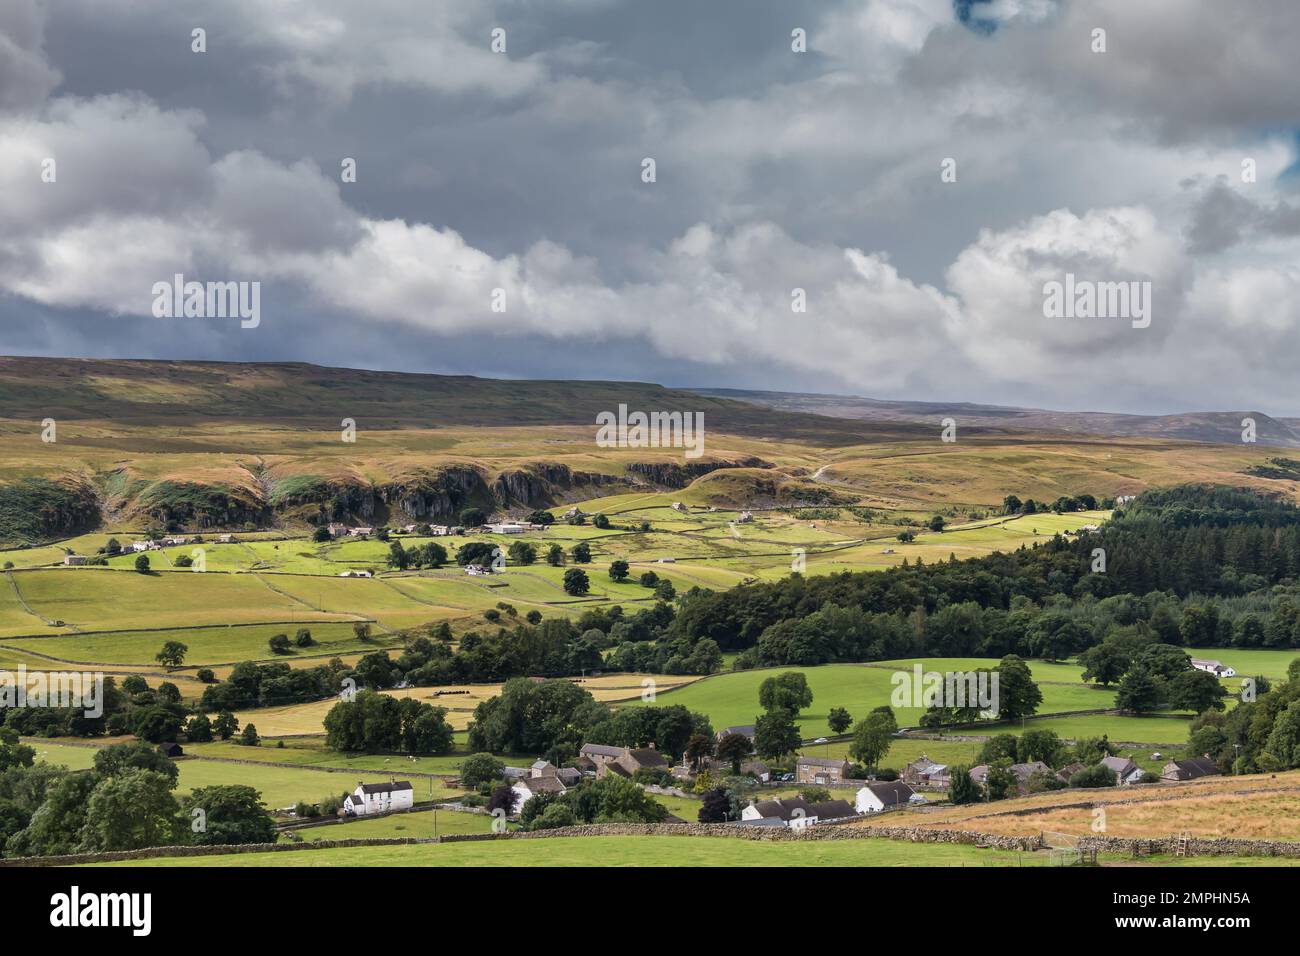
379	798
875	797
1069	770
745	730
1024	771
1213	667
355	574
821	770
526	788
507	527
171	749
1126	771
74	560
623	761
1191	769
796	811
924	772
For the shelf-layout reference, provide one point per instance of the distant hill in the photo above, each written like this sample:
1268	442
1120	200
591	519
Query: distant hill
1218	427
142	391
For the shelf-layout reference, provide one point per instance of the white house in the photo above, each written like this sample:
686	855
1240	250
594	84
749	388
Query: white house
477	569
1213	667
379	798
355	574
507	527
889	795
226	538
1125	770
144	545
526	788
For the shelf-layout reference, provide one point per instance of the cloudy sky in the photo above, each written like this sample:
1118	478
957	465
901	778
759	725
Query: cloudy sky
775	170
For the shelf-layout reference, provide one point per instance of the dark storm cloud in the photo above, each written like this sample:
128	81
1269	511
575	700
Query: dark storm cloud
776	170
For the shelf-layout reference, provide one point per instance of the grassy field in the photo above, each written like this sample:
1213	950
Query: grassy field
632	851
732	699
420	823
664	851
280	786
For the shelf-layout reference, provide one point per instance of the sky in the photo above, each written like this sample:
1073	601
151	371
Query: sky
920	169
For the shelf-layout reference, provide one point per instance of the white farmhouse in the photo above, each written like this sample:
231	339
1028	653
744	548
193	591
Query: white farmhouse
1213	667
379	798
890	795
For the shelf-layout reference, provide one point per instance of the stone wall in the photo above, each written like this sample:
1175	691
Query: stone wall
815	832
1196	846
187	851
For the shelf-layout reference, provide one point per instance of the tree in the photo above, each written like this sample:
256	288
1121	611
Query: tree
279	644
142	563
936	523
1105	663
321	535
1011	505
961	788
776	735
555	556
576	582
1098	775
839	720
397	556
172	654
734	748
1018	694
618	570
503	798
129	811
248	737
1138	691
156	724
814	794
788	691
303	638
554	817
581	553
229	815
1196	691
361	630
205	675
906	537
600	521
873	737
533	617
521	552
1000	782
698	749
478	769
715	807
541	517
225	726
664	590
199	729
649	580
472	518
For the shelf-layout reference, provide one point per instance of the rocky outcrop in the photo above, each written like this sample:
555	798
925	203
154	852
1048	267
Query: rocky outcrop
543	483
672	474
